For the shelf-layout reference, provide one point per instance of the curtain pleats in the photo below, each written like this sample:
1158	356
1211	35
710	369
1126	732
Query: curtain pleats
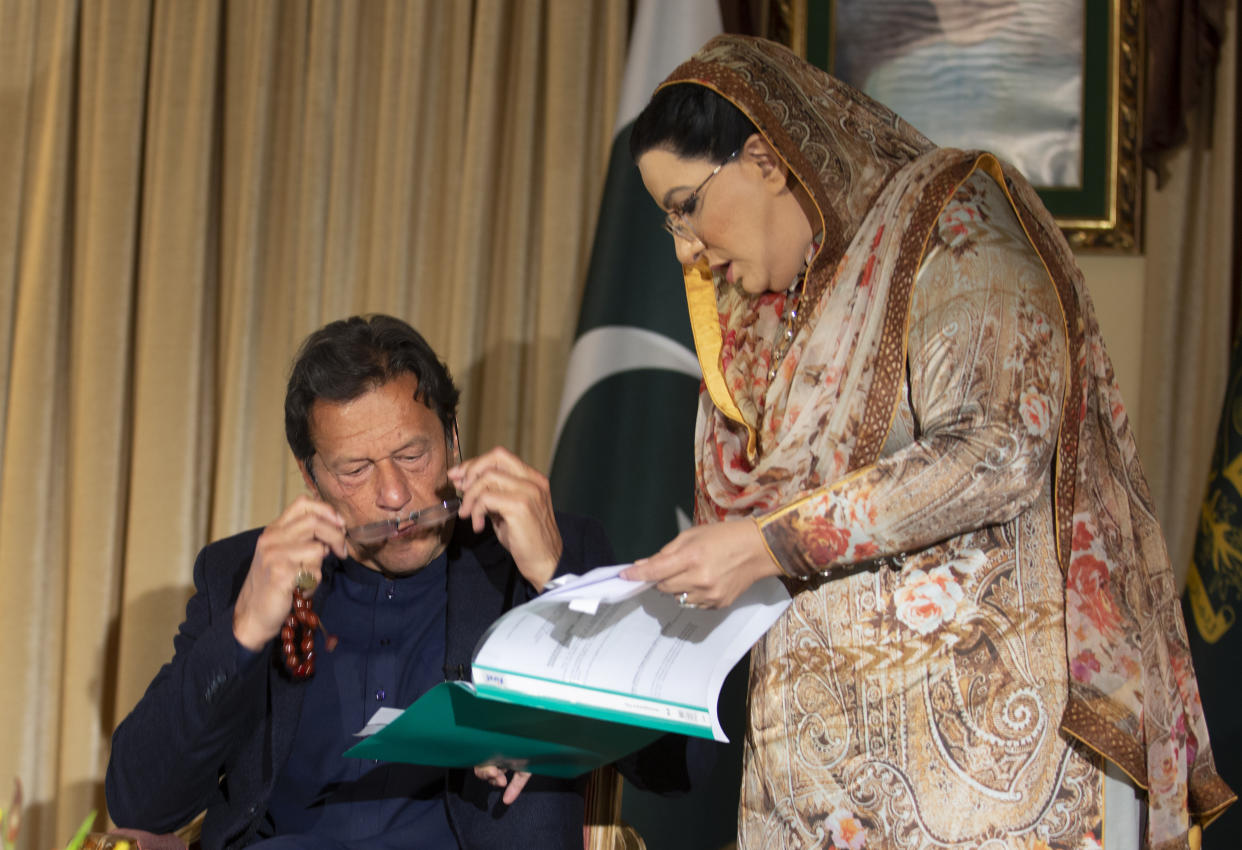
106	194
38	63
186	190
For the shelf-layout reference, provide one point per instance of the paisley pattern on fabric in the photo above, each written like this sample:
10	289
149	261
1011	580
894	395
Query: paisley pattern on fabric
925	692
943	466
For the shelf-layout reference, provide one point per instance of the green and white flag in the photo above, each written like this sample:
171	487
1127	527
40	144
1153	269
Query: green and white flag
623	450
624	446
1211	601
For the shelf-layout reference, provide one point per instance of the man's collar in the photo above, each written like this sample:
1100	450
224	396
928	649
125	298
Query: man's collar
362	574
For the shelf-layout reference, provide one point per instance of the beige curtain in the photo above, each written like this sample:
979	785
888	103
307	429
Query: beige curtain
1189	241
187	188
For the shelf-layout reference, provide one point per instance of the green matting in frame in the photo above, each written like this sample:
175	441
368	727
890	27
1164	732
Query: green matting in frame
1103	210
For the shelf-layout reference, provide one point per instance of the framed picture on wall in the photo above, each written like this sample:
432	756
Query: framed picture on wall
1050	85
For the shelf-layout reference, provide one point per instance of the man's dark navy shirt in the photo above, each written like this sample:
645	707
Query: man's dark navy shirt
391	651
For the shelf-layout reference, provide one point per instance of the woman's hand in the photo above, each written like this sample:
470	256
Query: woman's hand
711	564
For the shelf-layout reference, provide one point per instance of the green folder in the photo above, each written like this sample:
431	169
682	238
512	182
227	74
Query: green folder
452	726
580	676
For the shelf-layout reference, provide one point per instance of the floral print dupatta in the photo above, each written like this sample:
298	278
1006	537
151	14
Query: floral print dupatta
879	187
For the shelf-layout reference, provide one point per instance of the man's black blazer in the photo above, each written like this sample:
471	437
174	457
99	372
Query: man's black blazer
206	736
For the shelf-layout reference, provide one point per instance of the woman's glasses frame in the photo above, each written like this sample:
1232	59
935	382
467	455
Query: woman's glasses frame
677	220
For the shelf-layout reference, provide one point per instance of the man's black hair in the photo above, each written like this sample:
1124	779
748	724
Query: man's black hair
692	121
349	357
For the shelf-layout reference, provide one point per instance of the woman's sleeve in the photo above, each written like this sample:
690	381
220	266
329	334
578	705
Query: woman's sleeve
986	358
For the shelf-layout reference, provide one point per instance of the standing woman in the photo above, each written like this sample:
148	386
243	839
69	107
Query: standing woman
908	413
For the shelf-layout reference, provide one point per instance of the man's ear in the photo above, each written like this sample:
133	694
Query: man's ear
771	167
308	477
454	447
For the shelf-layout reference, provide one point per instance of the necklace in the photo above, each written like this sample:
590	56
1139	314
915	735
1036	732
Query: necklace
789	315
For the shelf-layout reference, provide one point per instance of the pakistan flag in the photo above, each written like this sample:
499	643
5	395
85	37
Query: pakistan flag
625	432
624	449
1211	601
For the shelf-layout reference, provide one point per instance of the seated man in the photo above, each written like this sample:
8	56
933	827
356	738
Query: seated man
370	414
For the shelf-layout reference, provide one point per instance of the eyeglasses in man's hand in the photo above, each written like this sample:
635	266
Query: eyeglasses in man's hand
374	533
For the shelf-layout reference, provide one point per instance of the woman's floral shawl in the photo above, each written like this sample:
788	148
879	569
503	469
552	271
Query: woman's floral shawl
880	187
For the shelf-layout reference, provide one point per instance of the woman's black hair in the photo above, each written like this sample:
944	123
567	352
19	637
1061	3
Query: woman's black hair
347	358
692	121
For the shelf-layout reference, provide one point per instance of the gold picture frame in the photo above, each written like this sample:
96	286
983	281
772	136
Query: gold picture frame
1104	213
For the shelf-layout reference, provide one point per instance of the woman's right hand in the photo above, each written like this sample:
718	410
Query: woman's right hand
711	564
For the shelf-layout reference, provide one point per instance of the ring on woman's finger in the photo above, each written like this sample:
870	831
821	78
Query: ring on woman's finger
304	581
681	600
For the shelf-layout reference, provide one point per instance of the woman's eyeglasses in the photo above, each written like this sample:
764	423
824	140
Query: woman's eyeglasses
677	220
374	533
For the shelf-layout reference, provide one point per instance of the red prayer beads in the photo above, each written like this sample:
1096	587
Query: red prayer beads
297	637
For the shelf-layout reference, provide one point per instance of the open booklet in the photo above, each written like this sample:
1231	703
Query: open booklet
591	670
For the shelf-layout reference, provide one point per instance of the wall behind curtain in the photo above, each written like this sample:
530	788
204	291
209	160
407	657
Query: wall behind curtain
186	190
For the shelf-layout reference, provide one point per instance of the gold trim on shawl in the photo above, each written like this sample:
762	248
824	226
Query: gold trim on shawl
705	325
701	293
1063	492
768	548
769	518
